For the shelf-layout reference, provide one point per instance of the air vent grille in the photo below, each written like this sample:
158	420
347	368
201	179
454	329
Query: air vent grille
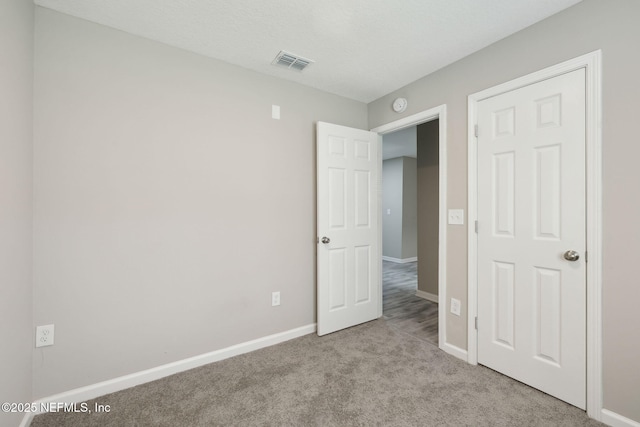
291	61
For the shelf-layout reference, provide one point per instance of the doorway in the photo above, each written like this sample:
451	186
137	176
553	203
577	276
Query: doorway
531	235
591	65
410	230
439	114
349	161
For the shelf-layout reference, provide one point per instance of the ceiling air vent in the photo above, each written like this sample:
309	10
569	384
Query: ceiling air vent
291	61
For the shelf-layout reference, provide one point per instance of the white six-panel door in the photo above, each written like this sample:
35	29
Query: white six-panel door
348	236
531	212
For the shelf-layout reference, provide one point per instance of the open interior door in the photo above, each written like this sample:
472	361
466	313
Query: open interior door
349	238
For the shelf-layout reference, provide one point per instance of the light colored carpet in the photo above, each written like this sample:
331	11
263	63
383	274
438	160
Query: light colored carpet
368	375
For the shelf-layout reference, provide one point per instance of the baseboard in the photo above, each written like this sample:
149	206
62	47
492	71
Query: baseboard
127	381
454	351
616	420
399	260
427	295
26	421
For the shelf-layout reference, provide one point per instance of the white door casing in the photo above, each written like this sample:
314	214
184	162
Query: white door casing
531	210
440	113
349	247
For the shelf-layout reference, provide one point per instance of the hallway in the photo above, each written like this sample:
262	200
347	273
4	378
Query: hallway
401	308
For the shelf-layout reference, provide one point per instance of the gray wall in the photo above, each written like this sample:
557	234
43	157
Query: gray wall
399	228
428	206
16	124
409	208
143	226
159	178
592	24
392	202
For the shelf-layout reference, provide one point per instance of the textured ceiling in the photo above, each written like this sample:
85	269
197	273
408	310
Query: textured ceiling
363	49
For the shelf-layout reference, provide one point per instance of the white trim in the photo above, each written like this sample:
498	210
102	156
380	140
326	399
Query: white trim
454	351
594	233
616	420
92	391
439	112
26	420
472	237
412	120
379	207
400	260
427	295
592	63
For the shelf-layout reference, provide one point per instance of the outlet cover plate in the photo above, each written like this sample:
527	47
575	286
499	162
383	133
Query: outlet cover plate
275	299
44	335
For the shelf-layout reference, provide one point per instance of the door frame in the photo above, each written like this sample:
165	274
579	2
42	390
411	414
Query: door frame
592	63
439	113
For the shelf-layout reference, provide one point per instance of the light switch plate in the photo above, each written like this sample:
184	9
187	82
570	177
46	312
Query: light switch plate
456	216
455	306
275	112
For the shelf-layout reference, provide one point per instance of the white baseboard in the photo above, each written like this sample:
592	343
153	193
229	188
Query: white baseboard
427	295
127	381
454	351
617	420
399	260
26	421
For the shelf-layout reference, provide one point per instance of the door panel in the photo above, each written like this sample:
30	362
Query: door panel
531	210
337	280
362	280
503	290
349	261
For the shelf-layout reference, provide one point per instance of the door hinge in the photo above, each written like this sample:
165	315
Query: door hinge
586	256
476	323
475	130
476	225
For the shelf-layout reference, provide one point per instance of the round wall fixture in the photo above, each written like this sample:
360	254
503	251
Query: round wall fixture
399	105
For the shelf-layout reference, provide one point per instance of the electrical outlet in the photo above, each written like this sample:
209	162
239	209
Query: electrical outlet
275	298
44	335
455	306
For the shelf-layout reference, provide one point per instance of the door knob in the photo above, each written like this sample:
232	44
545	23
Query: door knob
325	240
571	256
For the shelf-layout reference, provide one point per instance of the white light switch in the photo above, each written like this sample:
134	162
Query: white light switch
455	306
388	211
275	112
456	216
